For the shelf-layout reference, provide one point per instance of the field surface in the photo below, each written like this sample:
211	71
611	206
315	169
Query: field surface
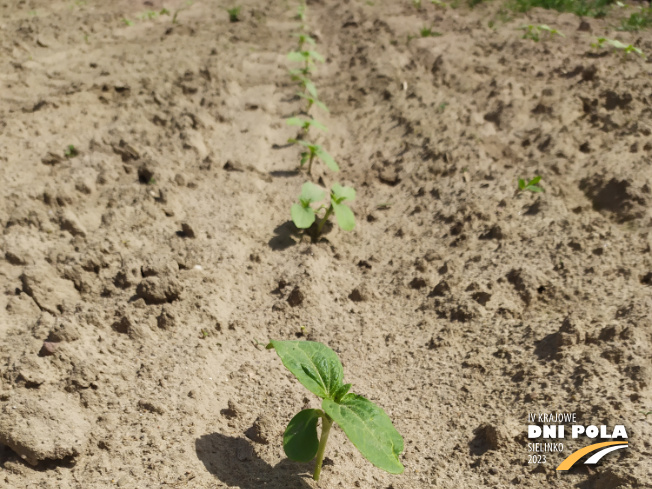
144	270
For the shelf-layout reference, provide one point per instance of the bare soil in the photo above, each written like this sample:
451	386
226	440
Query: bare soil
142	277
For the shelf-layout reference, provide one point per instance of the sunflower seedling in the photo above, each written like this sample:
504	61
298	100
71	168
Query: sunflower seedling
319	370
304	215
625	48
305	125
70	151
304	39
313	100
234	14
301	76
308	57
530	186
316	151
534	31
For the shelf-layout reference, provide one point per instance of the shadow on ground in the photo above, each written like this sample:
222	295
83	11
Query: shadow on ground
233	461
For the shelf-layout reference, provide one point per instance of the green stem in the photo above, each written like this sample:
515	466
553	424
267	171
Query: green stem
324	219
326	423
312	157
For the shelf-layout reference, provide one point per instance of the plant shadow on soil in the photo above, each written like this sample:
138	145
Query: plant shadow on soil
285	235
233	461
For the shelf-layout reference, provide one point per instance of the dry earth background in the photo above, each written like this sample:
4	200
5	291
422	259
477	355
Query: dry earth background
459	307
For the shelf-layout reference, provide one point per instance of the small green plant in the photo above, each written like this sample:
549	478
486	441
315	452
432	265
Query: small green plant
625	48
304	215
152	14
70	151
416	4
315	151
303	80
319	370
428	32
439	3
534	31
305	124
530	186
127	22
646	413
304	39
301	11
313	100
638	20
308	57
234	14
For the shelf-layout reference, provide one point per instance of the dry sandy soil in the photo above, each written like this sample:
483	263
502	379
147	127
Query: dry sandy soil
142	277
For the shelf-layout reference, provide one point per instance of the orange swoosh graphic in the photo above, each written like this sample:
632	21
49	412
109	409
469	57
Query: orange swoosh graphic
575	456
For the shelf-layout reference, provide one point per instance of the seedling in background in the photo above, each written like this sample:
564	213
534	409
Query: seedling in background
428	32
316	151
70	151
368	427
625	48
234	14
304	39
305	125
304	215
301	11
416	4
638	20
530	186
534	31
308	57
301	77
313	100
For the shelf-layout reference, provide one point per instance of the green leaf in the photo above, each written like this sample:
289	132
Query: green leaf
311	192
315	365
344	216
534	188
300	440
317	124
312	147
304	38
341	392
316	55
297	56
343	193
328	159
521	184
369	429
294	121
321	105
310	87
304	157
302	216
534	181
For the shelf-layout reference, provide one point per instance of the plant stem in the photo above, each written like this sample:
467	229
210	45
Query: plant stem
326	423
322	222
312	157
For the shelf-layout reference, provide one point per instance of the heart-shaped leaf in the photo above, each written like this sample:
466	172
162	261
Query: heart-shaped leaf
297	56
342	193
344	216
315	365
294	121
369	429
302	216
311	193
300	440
